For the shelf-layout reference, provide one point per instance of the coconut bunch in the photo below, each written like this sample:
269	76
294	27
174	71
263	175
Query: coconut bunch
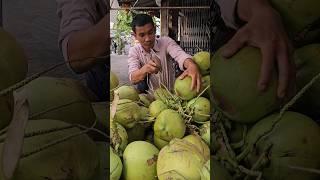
256	135
129	126
129	117
253	135
149	129
63	120
56	137
57	140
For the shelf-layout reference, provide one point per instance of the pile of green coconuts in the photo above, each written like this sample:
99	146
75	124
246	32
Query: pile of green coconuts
163	134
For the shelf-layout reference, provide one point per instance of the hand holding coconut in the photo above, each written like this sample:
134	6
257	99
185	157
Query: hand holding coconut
192	71
264	30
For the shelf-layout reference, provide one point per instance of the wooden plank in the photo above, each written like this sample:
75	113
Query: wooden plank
164	19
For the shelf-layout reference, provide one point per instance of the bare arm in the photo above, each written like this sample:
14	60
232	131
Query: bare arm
91	42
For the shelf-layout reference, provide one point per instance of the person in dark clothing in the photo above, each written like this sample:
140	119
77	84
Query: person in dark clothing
85	33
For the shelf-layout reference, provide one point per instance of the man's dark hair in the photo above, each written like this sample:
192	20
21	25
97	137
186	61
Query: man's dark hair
141	20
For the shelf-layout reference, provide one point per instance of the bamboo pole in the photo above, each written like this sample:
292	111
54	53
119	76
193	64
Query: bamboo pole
155	8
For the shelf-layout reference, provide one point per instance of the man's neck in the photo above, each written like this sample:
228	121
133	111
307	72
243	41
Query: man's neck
147	50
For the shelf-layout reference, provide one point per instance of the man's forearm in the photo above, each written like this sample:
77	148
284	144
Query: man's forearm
138	76
91	42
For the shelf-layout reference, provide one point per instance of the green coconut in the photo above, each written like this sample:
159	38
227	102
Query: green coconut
301	19
295	142
145	100
308	66
127	113
159	142
205	132
13	68
114	80
156	107
60	98
114	83
127	92
115	166
203	61
200	108
182	88
145	117
180	159
169	124
205	171
200	144
74	158
119	135
140	159
144	111
235	90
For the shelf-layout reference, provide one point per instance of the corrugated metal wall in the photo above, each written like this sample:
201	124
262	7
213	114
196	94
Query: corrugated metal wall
194	32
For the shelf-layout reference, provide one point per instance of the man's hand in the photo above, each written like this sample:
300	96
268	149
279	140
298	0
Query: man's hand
192	71
264	30
151	68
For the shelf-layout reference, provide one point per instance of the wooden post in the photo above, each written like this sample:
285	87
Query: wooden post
174	28
164	18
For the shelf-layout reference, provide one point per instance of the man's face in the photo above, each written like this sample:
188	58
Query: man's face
145	35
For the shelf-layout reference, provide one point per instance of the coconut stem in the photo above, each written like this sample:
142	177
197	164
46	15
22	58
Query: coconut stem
41	132
226	140
48	145
261	160
249	172
32	116
287	106
37	75
263	135
310	170
242	141
93	129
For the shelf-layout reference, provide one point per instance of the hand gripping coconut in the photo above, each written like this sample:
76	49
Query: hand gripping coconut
235	89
